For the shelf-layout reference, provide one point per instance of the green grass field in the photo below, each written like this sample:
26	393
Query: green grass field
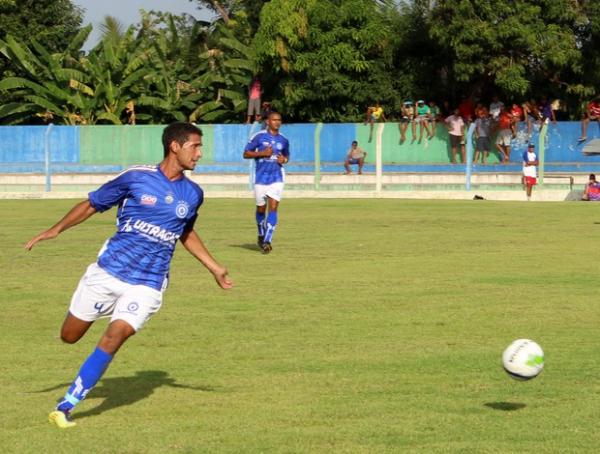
374	326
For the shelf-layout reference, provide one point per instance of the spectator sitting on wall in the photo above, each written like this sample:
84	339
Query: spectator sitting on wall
355	155
592	190
374	114
407	116
592	112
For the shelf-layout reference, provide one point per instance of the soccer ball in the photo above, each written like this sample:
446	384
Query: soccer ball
523	359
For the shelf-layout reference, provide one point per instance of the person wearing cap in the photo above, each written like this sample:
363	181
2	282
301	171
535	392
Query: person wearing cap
408	116
423	114
530	163
592	189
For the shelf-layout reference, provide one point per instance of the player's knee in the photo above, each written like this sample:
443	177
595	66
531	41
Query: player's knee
68	337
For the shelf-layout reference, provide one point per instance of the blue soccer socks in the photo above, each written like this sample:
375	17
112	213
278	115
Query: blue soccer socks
89	374
271	224
260	223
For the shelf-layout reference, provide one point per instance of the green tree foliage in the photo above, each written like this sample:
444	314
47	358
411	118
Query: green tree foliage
329	58
520	47
53	24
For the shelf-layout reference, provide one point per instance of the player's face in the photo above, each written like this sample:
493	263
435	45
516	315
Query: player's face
190	152
274	122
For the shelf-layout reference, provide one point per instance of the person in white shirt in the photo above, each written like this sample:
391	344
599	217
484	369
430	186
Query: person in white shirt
530	163
456	125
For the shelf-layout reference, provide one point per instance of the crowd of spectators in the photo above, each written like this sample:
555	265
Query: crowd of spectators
493	119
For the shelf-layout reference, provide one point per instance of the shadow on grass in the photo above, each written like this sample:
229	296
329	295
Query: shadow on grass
123	391
505	406
249	246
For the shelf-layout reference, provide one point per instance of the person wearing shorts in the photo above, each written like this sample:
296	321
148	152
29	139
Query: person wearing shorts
592	113
530	163
270	150
505	135
456	125
157	206
254	107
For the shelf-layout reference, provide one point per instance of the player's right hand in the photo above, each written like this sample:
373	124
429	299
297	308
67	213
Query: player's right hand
47	235
267	152
221	276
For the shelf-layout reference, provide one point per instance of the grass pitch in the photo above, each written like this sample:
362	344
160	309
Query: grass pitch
374	326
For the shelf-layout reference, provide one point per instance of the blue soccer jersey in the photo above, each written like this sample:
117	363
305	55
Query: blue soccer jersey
268	170
153	212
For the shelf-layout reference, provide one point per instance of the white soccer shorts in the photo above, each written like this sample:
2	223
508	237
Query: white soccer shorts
100	295
262	191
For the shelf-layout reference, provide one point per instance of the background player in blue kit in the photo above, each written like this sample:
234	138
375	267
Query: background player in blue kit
270	150
157	205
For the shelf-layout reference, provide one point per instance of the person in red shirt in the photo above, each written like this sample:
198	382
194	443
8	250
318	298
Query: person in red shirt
466	109
517	115
592	113
505	134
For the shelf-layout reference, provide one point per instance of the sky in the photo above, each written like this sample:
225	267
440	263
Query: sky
127	12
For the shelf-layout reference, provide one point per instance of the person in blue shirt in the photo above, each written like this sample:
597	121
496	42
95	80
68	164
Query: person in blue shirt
156	206
270	150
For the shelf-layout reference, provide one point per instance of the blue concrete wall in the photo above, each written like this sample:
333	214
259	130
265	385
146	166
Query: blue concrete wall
22	149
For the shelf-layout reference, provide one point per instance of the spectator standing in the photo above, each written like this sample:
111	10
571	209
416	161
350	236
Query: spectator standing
517	115
483	131
531	114
355	156
592	113
456	125
467	109
530	163
495	107
504	135
254	93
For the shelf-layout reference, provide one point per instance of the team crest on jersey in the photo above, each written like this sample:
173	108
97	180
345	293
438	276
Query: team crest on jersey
279	146
182	208
148	199
169	199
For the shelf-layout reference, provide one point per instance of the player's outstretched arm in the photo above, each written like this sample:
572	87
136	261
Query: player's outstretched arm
192	242
78	214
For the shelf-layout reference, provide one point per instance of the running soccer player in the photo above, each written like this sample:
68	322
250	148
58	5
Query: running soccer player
157	205
270	150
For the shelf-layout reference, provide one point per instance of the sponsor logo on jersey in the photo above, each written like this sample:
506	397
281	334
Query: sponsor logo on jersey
182	208
148	199
150	230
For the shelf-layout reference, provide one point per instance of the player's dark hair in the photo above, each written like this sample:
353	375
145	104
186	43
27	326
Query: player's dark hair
178	132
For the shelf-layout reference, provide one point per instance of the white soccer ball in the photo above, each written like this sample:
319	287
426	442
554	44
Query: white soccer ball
523	359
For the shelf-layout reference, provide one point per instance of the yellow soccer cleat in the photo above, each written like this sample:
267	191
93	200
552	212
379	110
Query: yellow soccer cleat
62	420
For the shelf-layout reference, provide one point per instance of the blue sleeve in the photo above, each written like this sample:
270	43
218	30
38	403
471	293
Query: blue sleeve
525	156
111	193
253	143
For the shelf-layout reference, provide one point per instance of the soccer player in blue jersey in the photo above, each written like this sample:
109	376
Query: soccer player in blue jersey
157	205
270	150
